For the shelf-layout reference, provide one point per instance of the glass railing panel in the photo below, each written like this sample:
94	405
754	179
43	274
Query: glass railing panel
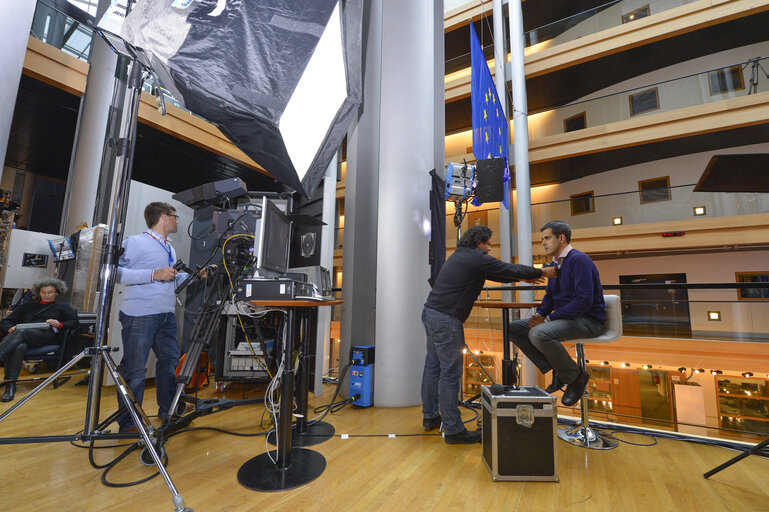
56	28
634	207
736	80
605	16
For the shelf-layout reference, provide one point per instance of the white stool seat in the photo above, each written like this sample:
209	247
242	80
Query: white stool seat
612	328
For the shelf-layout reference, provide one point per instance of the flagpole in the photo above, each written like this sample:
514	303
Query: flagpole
521	159
500	59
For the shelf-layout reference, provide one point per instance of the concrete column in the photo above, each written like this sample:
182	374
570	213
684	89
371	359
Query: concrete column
398	139
15	23
85	167
521	152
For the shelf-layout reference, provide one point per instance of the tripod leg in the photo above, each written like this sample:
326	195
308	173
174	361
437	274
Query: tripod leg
135	412
746	453
43	384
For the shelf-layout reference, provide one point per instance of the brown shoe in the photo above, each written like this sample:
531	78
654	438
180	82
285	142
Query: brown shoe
133	429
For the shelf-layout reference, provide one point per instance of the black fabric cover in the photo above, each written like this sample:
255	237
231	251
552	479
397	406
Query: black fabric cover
437	226
239	68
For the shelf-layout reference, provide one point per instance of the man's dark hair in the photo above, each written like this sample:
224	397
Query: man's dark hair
475	235
153	211
559	228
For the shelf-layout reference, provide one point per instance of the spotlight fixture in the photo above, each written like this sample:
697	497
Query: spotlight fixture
604	363
625	365
716	372
647	367
699	370
747	375
682	370
699	210
587	361
617	221
714	316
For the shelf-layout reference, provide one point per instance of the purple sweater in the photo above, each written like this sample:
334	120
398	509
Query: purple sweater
576	291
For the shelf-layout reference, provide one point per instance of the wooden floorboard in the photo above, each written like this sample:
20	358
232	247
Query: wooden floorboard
416	472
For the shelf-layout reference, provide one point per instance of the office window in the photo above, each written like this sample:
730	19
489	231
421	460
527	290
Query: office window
636	15
724	80
582	203
644	101
654	190
753	293
577	122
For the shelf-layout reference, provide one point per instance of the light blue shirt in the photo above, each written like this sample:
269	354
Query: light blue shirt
141	255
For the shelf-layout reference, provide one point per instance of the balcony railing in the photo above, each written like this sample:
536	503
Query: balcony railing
738	79
64	26
710	338
68	28
605	16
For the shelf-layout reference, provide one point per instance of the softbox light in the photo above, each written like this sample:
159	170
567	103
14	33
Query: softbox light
280	78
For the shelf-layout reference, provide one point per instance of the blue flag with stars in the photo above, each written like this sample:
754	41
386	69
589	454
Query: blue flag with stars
489	125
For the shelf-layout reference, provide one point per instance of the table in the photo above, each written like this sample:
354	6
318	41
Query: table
508	369
298	466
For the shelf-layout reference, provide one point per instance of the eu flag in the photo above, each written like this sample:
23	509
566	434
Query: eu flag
489	125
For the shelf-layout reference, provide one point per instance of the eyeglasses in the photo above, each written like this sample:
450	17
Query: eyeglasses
172	215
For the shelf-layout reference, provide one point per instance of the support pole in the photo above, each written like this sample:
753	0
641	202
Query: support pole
500	59
521	159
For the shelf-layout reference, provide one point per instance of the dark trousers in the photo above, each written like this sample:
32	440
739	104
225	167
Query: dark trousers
15	346
140	335
442	375
542	344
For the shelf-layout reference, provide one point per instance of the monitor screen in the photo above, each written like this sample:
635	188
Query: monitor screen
274	241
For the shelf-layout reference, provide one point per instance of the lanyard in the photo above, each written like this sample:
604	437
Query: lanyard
165	247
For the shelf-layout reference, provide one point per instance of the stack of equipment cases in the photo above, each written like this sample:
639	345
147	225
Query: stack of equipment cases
519	433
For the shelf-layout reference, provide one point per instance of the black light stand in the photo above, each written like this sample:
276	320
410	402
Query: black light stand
100	352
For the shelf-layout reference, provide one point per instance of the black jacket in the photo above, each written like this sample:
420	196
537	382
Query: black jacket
463	275
30	312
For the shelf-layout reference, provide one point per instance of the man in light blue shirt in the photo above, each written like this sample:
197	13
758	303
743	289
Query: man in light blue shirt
147	314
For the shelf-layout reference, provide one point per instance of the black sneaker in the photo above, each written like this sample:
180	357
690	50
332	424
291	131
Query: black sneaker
464	437
431	423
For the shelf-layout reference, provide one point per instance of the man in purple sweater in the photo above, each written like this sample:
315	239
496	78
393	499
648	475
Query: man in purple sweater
572	308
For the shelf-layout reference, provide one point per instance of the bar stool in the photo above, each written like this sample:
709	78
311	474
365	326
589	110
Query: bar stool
581	434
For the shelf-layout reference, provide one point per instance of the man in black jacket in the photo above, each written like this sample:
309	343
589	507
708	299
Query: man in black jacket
447	307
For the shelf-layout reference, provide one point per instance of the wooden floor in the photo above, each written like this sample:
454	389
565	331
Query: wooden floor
362	473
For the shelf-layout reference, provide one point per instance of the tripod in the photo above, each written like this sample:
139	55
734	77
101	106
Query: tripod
124	146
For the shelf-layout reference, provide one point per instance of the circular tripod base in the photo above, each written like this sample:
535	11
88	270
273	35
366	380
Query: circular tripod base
586	438
261	473
316	433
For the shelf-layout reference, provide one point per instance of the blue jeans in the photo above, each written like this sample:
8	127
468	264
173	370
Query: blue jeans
542	344
140	334
442	375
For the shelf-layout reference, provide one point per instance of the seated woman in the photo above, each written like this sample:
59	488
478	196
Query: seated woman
43	309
